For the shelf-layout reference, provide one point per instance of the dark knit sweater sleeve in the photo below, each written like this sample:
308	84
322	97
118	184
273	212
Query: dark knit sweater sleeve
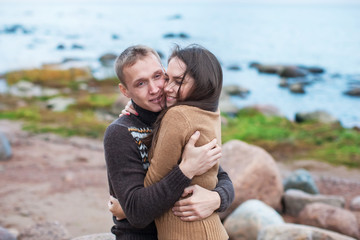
225	189
126	178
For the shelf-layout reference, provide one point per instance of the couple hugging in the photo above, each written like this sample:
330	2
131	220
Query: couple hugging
162	154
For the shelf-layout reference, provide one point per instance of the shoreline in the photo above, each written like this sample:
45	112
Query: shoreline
53	173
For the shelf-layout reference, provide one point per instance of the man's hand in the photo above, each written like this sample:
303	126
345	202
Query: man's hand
116	209
198	160
200	205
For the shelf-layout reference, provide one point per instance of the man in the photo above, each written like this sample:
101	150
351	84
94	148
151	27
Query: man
142	79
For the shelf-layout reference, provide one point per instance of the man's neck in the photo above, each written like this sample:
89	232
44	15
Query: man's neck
145	116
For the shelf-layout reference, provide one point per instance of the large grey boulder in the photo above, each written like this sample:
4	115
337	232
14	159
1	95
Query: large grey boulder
59	104
254	174
295	231
302	180
316	116
6	235
5	147
296	200
247	220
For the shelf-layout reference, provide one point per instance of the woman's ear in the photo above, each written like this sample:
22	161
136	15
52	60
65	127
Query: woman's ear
123	90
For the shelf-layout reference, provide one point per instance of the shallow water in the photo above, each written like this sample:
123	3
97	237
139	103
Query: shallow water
325	35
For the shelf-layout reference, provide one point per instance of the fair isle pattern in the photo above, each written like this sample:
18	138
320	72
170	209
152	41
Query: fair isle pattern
138	134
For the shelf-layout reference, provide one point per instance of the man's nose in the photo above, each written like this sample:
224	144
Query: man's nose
153	88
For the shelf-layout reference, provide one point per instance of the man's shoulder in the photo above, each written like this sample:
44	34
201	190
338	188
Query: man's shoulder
127	125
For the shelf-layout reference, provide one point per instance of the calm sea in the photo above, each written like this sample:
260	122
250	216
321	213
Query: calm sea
312	34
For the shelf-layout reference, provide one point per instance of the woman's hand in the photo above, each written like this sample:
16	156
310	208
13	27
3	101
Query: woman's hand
198	160
116	209
200	205
129	109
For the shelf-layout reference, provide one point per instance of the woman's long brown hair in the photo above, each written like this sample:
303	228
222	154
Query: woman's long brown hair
206	71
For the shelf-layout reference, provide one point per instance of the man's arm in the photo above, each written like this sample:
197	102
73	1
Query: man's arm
125	169
225	189
202	203
127	175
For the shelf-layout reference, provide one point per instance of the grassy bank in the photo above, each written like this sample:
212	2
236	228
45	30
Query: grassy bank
285	139
282	138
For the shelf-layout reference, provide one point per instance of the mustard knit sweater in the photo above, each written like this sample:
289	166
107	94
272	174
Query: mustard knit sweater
177	126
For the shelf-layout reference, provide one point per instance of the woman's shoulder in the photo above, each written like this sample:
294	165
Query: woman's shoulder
180	109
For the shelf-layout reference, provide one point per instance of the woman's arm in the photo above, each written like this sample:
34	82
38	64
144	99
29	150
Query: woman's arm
171	139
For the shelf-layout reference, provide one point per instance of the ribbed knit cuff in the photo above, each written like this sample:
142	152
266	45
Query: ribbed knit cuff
178	179
223	204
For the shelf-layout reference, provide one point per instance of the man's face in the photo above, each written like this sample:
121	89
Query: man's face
145	82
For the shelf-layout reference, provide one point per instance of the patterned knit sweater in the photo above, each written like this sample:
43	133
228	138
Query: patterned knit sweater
127	163
177	126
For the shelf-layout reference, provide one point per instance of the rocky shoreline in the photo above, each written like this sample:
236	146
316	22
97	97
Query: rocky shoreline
53	173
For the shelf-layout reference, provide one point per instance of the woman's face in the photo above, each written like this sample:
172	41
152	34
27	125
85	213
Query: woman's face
175	72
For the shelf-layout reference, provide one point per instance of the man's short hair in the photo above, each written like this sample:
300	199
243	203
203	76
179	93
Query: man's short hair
129	57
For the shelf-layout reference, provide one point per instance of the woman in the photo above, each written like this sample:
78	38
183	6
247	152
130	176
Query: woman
192	95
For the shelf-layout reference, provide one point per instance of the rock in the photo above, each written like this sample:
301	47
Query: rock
267	110
355	92
60	47
316	116
300	232
297	88
16	28
331	218
315	70
254	65
77	46
175	17
169	35
301	179
247	220
173	35
108	59
254	174
44	231
28	89
226	105
234	67
5	148
296	200
283	82
271	69
68	177
115	37
184	35
59	104
292	72
6	235
161	55
235	90
355	204
119	104
99	236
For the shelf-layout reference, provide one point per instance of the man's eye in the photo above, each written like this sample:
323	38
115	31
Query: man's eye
139	84
157	76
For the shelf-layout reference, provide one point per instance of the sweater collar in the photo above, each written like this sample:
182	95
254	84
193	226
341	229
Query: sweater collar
145	116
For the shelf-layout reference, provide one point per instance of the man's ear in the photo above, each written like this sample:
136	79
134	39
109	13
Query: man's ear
123	90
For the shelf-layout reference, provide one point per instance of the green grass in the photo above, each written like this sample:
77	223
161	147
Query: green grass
327	142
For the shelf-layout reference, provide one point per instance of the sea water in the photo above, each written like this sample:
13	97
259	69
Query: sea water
237	32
